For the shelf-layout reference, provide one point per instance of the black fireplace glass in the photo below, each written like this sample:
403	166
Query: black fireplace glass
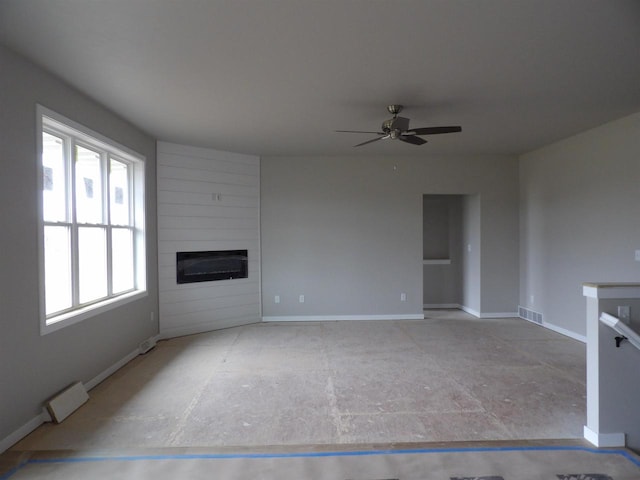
212	265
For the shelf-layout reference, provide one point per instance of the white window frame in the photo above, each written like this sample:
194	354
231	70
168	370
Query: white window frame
56	124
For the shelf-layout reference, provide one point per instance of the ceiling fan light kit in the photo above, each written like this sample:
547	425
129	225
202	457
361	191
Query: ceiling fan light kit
397	128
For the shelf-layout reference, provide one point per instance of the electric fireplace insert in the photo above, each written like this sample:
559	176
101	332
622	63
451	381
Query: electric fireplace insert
212	265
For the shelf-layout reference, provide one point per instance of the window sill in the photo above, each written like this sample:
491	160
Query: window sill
64	320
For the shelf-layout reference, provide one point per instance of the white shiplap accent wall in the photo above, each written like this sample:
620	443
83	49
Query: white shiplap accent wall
192	218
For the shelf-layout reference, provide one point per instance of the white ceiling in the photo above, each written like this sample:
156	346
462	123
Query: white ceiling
277	77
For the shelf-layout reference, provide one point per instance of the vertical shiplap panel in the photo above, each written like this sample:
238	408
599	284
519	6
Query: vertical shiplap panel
207	200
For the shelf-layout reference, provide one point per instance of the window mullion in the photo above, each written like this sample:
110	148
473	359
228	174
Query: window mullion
106	171
75	272
132	221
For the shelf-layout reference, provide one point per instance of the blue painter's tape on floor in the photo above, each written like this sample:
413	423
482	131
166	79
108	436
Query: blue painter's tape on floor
355	453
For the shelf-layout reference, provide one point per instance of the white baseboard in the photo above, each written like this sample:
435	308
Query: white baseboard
478	314
22	432
331	318
470	311
44	417
499	315
604	439
565	332
427	306
116	366
181	331
111	370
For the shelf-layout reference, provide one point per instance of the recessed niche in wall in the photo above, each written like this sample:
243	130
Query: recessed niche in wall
442	250
435	227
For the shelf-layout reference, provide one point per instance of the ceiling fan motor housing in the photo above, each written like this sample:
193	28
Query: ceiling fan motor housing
396	124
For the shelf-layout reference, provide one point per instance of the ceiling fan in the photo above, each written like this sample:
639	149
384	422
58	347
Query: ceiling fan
397	128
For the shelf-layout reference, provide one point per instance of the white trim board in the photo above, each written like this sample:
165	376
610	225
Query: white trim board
555	328
564	331
611	291
181	331
23	431
499	315
604	439
477	314
331	318
435	306
44	416
111	370
117	366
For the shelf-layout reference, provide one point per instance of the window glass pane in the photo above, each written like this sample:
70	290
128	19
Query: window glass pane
57	269
119	195
122	259
88	186
54	179
92	263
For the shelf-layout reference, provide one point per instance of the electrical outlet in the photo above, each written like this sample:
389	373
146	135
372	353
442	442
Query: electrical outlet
276	299
301	299
152	316
403	297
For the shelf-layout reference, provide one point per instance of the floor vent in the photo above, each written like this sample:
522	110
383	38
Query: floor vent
67	402
530	315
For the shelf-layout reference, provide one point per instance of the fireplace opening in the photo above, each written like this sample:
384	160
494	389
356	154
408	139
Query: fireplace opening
208	266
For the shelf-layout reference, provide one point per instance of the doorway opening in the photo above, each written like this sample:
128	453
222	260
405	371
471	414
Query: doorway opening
450	251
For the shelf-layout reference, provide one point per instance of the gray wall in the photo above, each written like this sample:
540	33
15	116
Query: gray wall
207	200
579	217
34	367
346	232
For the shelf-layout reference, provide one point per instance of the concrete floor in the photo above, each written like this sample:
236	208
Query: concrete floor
450	377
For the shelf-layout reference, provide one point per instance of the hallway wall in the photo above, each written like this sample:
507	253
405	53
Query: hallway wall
579	219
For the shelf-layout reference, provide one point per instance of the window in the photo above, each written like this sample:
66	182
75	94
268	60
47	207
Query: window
92	222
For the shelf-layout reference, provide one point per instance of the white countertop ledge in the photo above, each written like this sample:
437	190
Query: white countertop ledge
611	290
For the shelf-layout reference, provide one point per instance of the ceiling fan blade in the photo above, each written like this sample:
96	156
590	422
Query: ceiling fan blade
435	130
357	131
369	141
412	139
